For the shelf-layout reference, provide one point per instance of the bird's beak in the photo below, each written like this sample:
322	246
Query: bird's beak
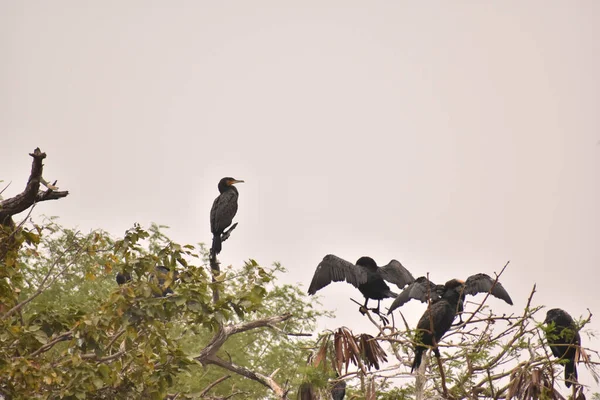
460	281
233	182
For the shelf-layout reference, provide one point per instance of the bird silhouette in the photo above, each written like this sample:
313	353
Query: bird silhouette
563	339
223	210
365	275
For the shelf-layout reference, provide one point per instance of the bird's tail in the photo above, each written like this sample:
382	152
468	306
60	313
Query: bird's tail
570	373
391	294
418	356
216	244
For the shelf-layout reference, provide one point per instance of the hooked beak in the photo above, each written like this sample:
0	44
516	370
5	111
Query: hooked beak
233	182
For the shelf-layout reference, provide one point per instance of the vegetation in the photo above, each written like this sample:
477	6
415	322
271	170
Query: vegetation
68	331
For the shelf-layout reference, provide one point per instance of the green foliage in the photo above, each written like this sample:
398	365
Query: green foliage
76	334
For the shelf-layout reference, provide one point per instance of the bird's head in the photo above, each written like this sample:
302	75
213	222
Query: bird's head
367	262
455	284
454	290
227	182
555	315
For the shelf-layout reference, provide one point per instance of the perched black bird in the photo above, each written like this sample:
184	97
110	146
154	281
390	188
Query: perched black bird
437	320
338	391
306	392
162	274
563	339
223	210
423	288
123	278
365	275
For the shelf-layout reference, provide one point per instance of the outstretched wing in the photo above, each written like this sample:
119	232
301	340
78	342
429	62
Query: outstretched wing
421	289
482	283
395	273
335	269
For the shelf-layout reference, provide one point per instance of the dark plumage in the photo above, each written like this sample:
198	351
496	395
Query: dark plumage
365	275
478	283
338	391
437	320
123	278
223	210
306	392
161	273
563	339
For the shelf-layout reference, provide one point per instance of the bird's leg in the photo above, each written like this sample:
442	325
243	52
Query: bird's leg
363	309
376	311
460	321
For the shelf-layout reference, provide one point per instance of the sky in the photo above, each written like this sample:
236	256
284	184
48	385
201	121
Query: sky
452	136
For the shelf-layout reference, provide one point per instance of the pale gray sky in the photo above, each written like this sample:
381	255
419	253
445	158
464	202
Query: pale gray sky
451	136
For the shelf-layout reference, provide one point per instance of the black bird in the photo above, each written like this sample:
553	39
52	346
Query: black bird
437	320
338	391
123	278
423	288
306	392
162	274
223	210
365	275
563	339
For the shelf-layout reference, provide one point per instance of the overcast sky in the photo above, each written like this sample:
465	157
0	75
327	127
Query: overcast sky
452	136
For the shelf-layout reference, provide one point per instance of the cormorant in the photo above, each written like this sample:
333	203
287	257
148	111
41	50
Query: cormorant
223	210
437	320
338	391
162	273
421	288
365	275
563	339
306	392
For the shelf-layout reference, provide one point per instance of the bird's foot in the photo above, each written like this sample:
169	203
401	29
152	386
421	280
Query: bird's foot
383	317
460	323
363	310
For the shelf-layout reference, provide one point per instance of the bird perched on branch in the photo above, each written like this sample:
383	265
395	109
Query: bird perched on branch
162	274
563	339
446	303
423	289
306	392
365	275
437	320
338	390
222	212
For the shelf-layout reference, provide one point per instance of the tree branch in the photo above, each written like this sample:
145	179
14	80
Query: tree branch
208	354
31	194
255	376
213	384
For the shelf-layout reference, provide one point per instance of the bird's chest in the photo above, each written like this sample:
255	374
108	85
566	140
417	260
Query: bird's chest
375	287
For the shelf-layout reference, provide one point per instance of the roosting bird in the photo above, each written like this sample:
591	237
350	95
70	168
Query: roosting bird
437	320
338	390
306	392
422	289
161	273
365	275
563	339
223	210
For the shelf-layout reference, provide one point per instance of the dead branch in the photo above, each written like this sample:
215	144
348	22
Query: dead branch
208	354
255	376
31	194
213	384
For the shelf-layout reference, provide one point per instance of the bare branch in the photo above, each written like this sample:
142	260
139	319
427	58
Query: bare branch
212	385
255	376
31	194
